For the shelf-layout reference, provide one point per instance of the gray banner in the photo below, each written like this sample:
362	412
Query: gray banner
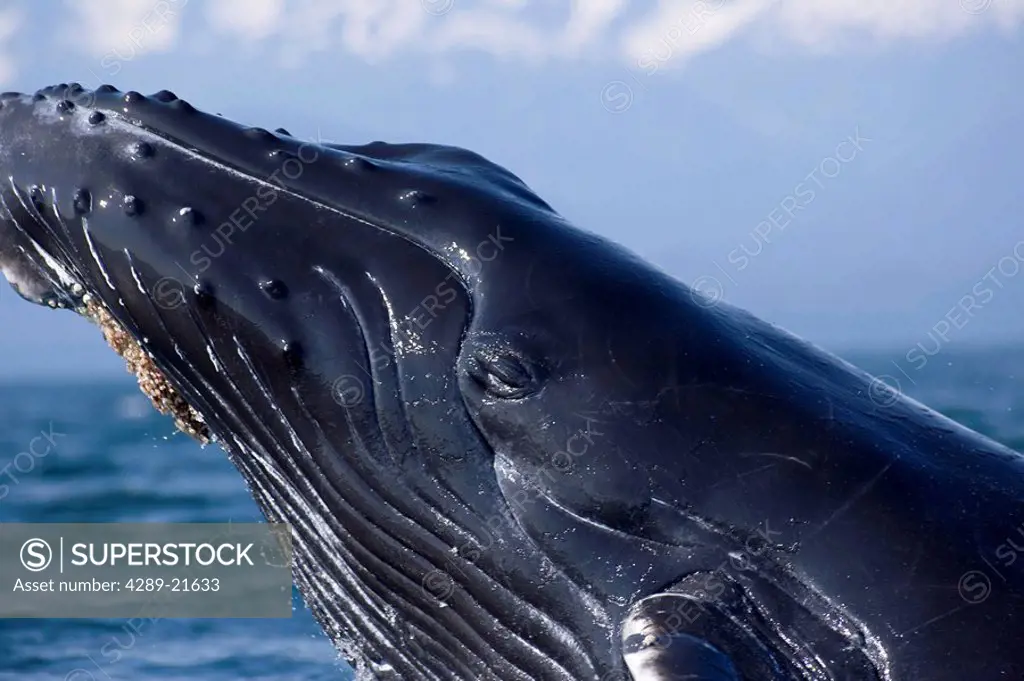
145	570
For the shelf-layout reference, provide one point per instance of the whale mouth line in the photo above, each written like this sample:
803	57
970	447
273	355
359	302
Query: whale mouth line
65	290
326	355
43	273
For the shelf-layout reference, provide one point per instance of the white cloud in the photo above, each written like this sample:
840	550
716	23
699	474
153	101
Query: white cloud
10	20
532	30
123	29
371	30
831	25
251	19
376	29
589	20
494	31
379	29
678	29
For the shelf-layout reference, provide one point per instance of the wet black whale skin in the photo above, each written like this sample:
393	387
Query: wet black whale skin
509	449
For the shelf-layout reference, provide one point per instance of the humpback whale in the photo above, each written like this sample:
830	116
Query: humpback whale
509	449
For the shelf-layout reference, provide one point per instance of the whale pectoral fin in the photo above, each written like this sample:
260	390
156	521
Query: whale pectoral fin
686	634
716	626
653	657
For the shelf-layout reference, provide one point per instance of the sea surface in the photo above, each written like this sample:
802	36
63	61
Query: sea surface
115	459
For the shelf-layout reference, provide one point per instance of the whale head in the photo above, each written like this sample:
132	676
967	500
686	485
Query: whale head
397	345
492	434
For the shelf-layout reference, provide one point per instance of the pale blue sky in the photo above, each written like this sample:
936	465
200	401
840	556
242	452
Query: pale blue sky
680	132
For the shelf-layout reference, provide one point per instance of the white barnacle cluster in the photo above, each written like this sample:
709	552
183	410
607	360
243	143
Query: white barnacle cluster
152	381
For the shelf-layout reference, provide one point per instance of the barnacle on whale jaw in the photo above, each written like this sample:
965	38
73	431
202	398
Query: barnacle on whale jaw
152	381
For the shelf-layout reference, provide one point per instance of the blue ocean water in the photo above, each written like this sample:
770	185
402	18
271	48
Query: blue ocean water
113	458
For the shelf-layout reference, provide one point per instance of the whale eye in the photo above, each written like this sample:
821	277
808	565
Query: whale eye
503	375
